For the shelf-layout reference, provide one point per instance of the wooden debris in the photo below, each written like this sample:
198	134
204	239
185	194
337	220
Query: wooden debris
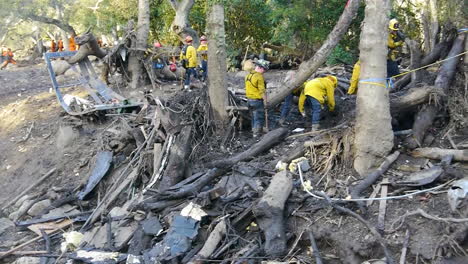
269	213
32	186
382	205
438	153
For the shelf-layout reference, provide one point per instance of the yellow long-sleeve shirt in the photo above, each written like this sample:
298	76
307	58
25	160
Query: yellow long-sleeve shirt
353	86
203	50
190	55
322	89
393	44
254	85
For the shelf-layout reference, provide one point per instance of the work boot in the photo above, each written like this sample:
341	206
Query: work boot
281	121
186	87
257	132
314	127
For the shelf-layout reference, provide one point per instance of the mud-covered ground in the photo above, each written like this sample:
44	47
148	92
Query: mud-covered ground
36	136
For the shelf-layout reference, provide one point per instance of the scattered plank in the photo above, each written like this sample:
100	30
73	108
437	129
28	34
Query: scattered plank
382	205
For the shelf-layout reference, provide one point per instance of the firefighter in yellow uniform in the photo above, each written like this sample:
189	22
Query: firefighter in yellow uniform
188	57
203	51
395	40
355	78
317	92
255	91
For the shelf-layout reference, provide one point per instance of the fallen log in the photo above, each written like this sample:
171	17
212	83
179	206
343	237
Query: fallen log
211	243
178	159
402	102
424	119
438	153
269	213
373	176
88	46
266	142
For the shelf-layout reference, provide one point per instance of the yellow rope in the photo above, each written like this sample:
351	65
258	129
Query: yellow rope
375	83
429	65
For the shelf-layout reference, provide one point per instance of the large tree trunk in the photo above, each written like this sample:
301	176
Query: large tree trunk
373	120
135	63
217	63
307	68
434	26
181	24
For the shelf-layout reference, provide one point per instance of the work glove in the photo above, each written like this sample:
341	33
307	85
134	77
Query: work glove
401	35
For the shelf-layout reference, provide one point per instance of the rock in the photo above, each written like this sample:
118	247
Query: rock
118	212
151	226
38	207
5	223
26	204
28	260
21	200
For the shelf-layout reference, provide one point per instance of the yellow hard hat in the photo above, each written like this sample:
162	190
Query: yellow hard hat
333	79
393	24
188	39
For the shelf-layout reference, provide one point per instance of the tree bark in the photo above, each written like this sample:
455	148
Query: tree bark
373	120
135	63
178	159
415	60
434	26
307	68
217	87
181	25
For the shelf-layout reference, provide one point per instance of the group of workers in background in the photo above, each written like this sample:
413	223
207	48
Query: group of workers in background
189	59
59	45
316	92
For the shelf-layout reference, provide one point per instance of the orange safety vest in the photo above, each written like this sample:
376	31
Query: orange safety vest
72	46
60	45
53	46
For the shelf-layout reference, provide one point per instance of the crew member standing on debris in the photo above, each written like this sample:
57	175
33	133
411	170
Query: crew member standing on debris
188	58
9	59
60	45
203	51
255	90
53	46
395	40
353	86
317	92
72	45
286	106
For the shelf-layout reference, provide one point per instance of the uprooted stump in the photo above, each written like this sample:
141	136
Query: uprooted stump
270	216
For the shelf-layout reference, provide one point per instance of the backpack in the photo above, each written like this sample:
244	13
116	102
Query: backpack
184	61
